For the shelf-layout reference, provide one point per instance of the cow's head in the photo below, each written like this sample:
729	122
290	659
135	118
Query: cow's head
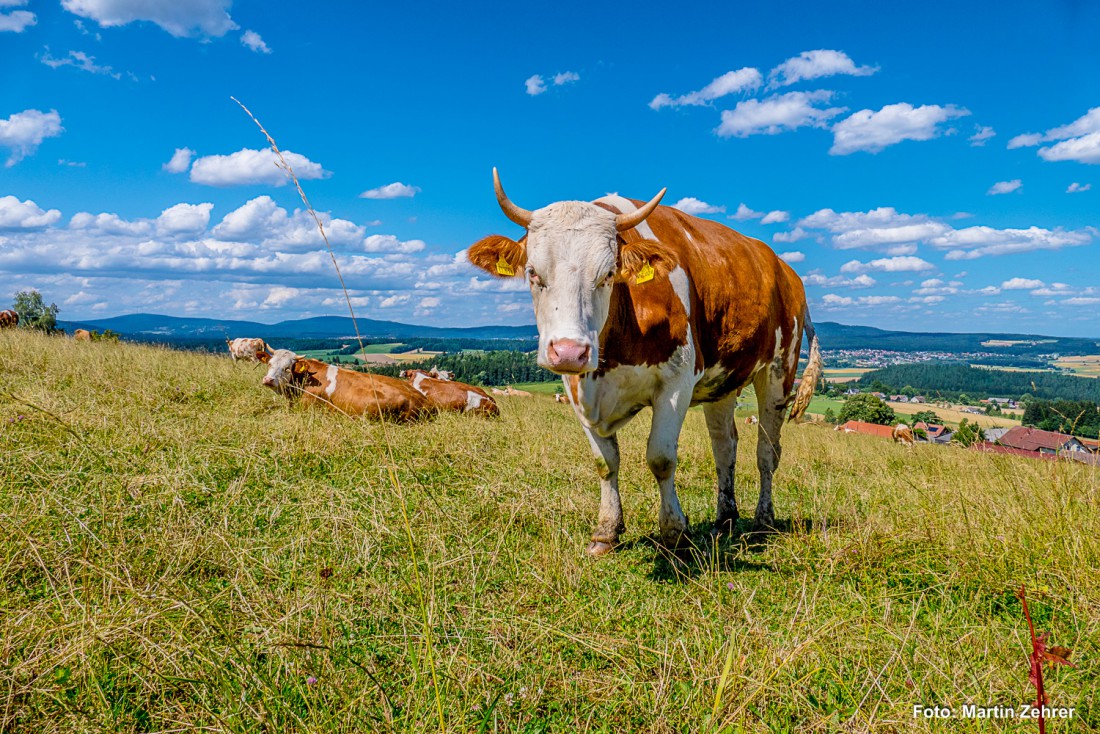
572	255
285	371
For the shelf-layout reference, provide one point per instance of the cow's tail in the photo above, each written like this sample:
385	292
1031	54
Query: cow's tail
811	376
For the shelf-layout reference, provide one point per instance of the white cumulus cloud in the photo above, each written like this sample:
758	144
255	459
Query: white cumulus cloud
778	113
731	82
16	214
252	40
872	132
981	135
181	18
775	217
249	166
1075	187
1078	141
180	161
1005	187
691	205
24	131
793	256
16	21
900	264
395	190
815	65
1021	284
536	84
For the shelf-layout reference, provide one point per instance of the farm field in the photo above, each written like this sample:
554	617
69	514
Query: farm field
1087	366
184	551
845	374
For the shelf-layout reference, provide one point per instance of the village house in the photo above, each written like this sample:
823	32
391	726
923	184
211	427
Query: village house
1039	441
934	433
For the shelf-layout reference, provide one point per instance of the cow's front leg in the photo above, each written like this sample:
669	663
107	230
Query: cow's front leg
664	435
610	523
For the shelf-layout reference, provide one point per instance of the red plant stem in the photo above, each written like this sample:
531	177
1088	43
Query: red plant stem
1036	663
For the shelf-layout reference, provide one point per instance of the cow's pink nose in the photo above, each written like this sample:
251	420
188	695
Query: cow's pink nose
568	355
269	381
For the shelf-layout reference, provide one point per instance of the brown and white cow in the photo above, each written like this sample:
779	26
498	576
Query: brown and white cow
514	393
450	395
8	319
248	349
903	434
560	397
347	391
441	374
639	305
82	335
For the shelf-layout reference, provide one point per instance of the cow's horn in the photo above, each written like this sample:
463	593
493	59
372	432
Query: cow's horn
522	217
632	219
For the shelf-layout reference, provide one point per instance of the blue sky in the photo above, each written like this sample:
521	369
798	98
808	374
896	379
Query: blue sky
931	168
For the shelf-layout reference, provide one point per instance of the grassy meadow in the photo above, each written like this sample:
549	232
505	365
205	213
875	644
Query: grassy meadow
181	550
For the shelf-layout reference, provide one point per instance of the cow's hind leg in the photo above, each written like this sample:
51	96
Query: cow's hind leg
722	427
610	523
772	400
669	410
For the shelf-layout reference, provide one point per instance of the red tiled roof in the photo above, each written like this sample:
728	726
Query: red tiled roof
992	448
871	429
1033	439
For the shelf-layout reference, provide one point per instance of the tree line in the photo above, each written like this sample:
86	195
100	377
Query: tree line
477	368
1075	417
949	381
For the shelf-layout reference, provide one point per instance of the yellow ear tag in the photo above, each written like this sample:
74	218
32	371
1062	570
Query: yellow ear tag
503	268
645	273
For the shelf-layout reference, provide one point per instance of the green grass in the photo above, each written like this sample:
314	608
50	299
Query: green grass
540	388
381	348
183	551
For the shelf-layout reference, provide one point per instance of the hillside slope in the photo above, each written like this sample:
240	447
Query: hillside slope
183	550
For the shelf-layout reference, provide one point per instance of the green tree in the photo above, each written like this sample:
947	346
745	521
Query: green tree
34	313
968	433
866	408
830	416
927	416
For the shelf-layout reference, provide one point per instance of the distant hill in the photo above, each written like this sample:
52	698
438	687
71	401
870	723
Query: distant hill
842	336
173	328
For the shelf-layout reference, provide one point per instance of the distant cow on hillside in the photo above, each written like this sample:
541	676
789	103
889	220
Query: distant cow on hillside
82	335
752	420
449	395
560	398
351	393
903	435
247	349
512	392
8	319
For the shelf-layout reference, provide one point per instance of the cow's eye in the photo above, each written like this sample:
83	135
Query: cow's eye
534	278
607	279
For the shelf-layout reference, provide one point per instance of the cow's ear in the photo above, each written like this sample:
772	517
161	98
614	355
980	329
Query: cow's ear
300	367
263	357
643	260
497	255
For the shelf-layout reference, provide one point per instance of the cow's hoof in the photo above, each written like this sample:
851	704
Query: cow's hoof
764	527
597	548
724	528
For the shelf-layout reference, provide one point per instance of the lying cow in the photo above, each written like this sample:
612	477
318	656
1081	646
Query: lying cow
511	391
560	398
247	349
903	434
752	420
439	374
350	392
449	395
498	391
82	335
642	305
8	319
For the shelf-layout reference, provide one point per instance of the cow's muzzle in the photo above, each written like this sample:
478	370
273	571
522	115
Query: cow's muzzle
568	356
269	381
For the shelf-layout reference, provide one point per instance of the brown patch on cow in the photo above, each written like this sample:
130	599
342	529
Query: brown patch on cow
8	319
451	395
488	252
359	393
82	335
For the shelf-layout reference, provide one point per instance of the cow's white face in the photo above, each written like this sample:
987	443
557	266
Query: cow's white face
572	249
280	371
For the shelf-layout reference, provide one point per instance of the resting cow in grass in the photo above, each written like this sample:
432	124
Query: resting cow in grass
450	395
349	392
247	349
639	305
